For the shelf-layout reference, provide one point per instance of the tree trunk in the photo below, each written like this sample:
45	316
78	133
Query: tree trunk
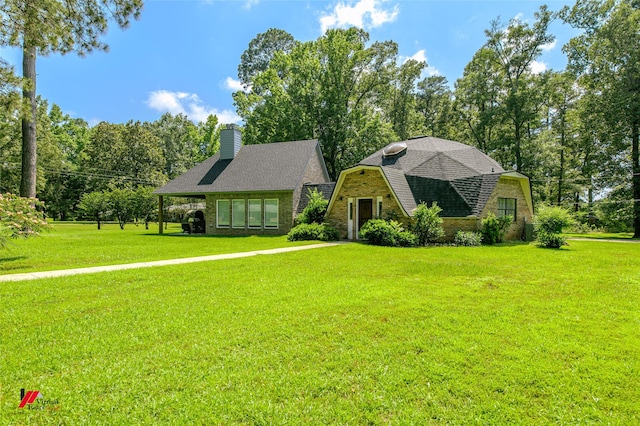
561	171
29	146
635	135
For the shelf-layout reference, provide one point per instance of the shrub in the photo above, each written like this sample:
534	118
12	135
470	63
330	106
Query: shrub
387	233
315	209
494	228
547	240
428	224
548	225
20	217
312	231
467	238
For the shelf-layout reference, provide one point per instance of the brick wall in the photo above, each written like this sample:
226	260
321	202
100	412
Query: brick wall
285	213
365	183
510	188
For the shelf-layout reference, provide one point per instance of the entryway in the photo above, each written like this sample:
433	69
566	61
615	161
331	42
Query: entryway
365	211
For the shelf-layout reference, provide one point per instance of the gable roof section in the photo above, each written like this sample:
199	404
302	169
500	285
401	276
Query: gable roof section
326	189
276	166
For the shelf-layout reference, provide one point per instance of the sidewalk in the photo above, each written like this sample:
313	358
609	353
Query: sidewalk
95	269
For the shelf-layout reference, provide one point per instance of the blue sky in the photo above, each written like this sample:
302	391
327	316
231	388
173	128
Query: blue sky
182	56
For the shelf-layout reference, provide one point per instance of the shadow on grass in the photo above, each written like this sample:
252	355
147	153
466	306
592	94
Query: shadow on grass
222	237
11	259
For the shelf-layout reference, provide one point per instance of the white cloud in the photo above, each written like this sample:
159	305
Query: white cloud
188	104
421	56
250	3
363	14
537	67
418	56
234	85
548	47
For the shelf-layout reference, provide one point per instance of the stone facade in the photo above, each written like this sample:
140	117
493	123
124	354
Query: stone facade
451	225
509	187
363	183
370	183
285	213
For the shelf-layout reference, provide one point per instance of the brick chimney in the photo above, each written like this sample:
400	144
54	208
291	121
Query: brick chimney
230	142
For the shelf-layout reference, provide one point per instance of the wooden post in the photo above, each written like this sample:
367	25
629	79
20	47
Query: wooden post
160	214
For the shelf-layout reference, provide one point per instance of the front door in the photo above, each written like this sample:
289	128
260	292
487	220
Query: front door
365	211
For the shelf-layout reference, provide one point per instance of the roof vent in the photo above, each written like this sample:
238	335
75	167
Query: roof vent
394	149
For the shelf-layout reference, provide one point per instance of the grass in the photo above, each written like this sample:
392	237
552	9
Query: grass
351	334
74	245
602	235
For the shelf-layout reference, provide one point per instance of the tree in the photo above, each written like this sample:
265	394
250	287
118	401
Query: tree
144	204
262	48
54	26
477	101
10	108
328	89
209	139
120	202
402	99
95	205
607	60
180	142
435	107
514	47
120	155
20	217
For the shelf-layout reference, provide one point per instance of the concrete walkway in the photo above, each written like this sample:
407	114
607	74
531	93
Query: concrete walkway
94	269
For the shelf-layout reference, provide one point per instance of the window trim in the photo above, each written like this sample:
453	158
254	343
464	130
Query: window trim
218	202
243	203
259	204
277	213
506	210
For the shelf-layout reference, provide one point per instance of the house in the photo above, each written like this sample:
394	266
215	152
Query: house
466	184
251	189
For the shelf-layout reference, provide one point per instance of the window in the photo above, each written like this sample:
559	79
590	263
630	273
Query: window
222	213
255	213
271	214
379	208
238	213
507	207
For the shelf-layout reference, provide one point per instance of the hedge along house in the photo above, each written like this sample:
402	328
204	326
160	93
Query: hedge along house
466	184
251	189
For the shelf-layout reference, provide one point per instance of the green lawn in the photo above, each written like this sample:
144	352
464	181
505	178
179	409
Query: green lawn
602	235
352	334
74	245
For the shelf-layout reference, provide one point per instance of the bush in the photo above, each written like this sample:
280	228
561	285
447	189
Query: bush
552	220
387	233
494	228
548	225
548	240
467	238
428	224
312	231
315	209
20	218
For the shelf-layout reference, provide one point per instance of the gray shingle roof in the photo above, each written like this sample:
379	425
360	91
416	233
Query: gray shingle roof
459	177
326	189
267	167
